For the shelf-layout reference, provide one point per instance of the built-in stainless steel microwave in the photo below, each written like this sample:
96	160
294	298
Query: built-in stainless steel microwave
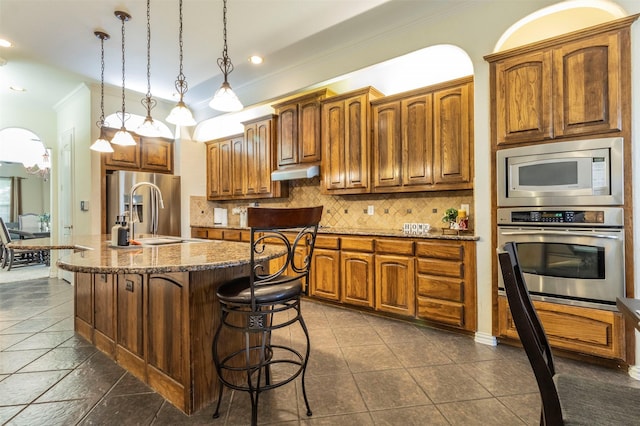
583	172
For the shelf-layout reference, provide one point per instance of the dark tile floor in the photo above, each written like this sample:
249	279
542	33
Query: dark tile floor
364	370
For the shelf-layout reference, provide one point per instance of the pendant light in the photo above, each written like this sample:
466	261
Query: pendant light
180	115
149	127
224	99
122	136
102	143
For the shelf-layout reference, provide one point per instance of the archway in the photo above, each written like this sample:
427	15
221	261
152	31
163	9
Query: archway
557	19
25	166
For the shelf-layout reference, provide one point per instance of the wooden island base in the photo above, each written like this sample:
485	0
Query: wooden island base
158	327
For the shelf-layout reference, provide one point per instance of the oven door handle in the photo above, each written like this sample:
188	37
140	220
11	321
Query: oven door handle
563	233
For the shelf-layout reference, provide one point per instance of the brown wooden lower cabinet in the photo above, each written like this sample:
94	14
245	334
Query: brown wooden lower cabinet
159	327
130	323
357	267
357	278
325	278
577	329
432	280
104	305
395	284
428	279
83	306
446	282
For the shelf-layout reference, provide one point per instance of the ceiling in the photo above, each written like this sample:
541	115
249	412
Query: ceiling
57	50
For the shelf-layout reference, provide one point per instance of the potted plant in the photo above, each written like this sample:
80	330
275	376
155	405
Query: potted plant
450	216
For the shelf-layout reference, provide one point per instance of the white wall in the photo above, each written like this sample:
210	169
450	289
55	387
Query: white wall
74	115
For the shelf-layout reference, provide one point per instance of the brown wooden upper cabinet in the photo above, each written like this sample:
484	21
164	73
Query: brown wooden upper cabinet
220	167
240	166
148	155
562	87
299	129
423	139
259	137
345	131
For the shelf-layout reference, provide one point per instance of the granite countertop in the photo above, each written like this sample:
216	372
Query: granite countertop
93	254
435	234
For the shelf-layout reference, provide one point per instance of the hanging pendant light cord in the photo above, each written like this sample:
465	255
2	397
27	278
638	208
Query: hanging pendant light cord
102	36
123	18
148	48
148	102
181	82
225	63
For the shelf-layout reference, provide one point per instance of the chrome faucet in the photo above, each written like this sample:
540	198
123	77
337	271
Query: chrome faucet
156	198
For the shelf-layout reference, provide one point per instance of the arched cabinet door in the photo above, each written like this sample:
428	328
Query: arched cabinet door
523	98
587	85
166	324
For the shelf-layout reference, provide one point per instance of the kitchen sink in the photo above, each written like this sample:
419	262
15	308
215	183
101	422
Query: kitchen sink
157	241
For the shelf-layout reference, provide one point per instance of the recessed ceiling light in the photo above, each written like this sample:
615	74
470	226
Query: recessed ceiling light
17	88
256	60
5	43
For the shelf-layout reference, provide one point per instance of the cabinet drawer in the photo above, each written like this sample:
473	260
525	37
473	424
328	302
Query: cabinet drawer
245	236
441	310
572	328
199	232
325	242
215	234
357	244
232	235
439	250
441	288
440	267
395	247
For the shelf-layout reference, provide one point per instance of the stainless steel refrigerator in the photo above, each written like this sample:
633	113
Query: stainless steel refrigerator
119	184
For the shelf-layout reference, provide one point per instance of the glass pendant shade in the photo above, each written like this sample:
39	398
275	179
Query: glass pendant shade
101	144
180	115
149	128
123	138
225	100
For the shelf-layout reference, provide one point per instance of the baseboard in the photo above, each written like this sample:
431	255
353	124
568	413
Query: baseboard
485	339
634	372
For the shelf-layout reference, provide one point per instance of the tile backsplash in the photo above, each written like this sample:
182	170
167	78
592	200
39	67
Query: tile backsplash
390	211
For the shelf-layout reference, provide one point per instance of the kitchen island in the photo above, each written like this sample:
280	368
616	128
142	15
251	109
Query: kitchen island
153	308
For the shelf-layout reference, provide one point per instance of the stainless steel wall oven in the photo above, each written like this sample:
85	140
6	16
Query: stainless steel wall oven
561	203
572	256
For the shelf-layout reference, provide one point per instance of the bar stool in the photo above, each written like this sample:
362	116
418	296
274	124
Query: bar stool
266	301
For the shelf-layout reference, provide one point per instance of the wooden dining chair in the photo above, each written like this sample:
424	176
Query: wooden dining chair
566	399
266	301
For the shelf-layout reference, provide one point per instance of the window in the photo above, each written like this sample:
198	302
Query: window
5	198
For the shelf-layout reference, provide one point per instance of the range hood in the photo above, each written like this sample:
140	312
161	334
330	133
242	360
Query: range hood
297	171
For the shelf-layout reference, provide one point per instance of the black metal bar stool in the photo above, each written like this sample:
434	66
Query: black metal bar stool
266	301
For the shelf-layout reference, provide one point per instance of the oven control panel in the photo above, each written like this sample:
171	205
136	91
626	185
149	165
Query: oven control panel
557	216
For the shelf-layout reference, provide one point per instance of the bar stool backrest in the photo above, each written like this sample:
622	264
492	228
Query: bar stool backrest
296	229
